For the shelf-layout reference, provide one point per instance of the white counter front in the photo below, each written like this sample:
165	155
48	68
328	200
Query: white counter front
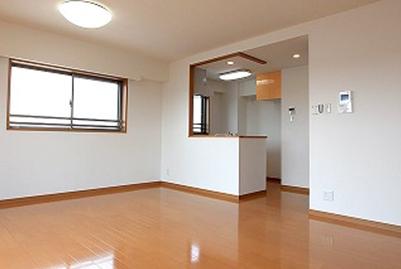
230	165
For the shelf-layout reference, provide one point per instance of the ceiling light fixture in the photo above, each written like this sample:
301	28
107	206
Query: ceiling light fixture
230	62
86	14
237	74
296	56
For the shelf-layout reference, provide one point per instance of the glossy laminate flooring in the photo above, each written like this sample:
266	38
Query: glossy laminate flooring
162	228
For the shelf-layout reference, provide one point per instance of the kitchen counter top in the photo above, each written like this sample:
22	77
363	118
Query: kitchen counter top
227	136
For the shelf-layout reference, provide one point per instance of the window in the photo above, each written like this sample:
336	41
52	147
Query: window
201	114
51	98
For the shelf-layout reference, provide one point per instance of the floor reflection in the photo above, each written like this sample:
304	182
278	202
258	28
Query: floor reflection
161	228
106	262
336	246
195	253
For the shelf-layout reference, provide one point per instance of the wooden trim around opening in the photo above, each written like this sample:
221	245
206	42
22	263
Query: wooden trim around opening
294	189
373	226
191	81
8	95
229	56
17	202
191	100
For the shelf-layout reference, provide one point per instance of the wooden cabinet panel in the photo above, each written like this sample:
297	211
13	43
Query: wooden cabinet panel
268	86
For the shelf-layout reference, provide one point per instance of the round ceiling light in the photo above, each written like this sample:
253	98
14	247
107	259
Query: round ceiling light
296	56
86	14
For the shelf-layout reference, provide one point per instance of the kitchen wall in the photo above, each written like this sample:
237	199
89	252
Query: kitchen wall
295	135
35	163
264	118
225	110
287	146
231	108
231	112
355	155
218	106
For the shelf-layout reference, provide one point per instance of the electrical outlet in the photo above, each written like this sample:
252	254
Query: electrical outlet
327	240
168	172
328	196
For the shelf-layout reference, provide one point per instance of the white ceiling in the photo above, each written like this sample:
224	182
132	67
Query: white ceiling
278	56
173	29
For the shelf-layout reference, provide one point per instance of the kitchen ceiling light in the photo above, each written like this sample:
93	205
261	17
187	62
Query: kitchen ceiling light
86	14
230	62
237	74
296	56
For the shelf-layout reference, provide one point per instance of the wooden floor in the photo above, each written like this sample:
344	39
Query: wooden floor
162	228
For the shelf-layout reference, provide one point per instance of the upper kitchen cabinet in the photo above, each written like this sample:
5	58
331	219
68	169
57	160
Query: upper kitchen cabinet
268	86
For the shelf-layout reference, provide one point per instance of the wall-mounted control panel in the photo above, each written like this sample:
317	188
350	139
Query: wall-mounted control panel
345	102
291	112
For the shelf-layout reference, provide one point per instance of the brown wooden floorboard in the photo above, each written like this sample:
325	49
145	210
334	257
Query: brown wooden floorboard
163	228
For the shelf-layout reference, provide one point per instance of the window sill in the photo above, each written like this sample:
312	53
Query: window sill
66	130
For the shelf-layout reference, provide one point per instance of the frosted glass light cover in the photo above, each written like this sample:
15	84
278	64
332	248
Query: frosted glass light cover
235	75
85	14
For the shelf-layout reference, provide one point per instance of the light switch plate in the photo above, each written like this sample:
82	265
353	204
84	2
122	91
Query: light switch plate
318	109
328	108
328	196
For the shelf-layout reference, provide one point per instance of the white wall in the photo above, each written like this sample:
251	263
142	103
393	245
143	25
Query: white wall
264	118
41	46
252	160
355	155
358	155
218	121
247	87
224	107
295	135
208	163
35	163
200	82
231	107
242	113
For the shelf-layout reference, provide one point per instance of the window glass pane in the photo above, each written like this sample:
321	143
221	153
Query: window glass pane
197	115
200	114
197	109
40	93
40	97
96	99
